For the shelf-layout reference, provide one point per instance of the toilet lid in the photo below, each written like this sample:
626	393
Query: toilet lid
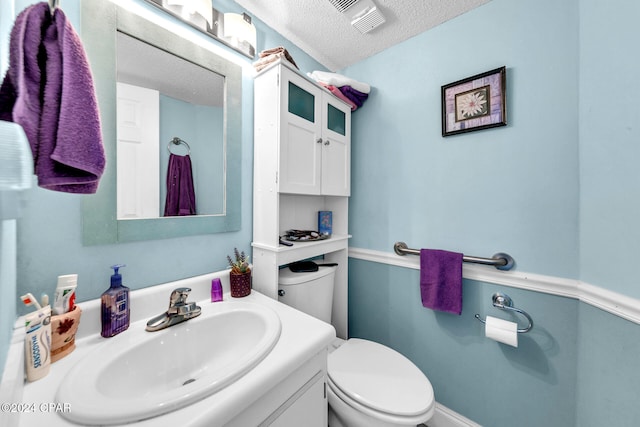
380	378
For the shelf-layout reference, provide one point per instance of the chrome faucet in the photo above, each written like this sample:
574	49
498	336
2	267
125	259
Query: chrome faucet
179	311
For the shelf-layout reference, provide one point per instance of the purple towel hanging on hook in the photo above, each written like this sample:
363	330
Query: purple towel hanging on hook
181	196
441	280
48	90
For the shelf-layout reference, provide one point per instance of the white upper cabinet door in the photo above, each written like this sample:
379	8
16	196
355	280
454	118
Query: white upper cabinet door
315	149
336	147
300	142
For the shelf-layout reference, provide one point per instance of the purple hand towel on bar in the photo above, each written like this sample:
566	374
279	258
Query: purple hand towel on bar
441	280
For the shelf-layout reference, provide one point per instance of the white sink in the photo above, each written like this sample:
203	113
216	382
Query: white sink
138	374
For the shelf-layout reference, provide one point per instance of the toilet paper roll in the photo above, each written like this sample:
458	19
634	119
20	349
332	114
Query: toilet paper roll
502	331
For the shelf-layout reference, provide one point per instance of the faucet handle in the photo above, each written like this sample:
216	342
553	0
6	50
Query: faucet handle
179	296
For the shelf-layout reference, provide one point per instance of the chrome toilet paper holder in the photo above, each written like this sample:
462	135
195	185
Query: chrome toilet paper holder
504	302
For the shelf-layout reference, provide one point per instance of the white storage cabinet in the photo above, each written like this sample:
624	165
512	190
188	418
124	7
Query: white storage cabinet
302	156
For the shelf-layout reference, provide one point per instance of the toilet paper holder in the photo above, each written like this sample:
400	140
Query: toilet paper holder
504	302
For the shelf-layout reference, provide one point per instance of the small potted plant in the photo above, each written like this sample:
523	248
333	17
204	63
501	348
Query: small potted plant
240	274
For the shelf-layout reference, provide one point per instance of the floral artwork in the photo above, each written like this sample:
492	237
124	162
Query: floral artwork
474	103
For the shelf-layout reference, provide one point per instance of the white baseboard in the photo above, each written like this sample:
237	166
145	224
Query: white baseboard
618	304
445	417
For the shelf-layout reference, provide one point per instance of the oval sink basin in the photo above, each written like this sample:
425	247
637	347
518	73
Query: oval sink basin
138	374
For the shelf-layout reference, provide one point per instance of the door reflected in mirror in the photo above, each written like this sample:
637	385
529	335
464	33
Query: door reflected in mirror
170	134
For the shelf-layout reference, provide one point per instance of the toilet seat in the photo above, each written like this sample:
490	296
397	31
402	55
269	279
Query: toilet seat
379	381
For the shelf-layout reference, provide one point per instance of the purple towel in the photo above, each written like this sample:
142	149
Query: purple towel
441	280
355	96
181	196
21	86
54	100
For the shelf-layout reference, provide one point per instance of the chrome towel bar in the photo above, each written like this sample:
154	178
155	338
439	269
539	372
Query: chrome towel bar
504	302
501	261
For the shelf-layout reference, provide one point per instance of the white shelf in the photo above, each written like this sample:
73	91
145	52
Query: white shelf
304	250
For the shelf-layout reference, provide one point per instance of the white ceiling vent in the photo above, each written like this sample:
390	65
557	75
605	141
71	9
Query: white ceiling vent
342	5
363	14
368	20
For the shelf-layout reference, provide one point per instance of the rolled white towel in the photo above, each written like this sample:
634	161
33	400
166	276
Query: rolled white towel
339	80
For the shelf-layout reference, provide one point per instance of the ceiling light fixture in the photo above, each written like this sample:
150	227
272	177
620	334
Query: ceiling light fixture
240	32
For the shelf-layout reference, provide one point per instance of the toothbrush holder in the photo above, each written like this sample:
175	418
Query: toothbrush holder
63	333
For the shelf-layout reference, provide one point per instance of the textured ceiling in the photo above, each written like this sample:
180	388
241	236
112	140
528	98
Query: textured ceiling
326	34
141	64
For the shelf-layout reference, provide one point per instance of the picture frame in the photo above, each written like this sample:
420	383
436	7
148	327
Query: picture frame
475	103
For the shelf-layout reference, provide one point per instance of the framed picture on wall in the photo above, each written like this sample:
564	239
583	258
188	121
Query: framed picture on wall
475	103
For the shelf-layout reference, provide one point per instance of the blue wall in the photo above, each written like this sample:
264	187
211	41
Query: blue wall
557	189
608	386
201	126
512	189
609	149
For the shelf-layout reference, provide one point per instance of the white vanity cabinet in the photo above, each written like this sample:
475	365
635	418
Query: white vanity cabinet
300	399
302	156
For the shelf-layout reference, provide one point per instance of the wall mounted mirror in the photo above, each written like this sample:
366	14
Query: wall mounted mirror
169	112
119	44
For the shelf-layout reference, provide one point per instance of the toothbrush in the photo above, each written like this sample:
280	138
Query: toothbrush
28	299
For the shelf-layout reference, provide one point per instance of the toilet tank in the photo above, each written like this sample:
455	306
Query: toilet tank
309	292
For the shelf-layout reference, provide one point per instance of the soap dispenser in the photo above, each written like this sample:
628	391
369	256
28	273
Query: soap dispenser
115	306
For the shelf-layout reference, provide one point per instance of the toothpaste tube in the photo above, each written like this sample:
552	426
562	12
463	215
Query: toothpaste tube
65	296
37	343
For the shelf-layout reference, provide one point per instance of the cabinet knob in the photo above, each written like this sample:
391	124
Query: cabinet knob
319	140
281	292
327	142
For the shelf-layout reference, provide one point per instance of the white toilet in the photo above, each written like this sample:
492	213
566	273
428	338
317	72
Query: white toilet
370	385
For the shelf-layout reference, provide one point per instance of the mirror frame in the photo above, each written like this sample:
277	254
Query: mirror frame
100	21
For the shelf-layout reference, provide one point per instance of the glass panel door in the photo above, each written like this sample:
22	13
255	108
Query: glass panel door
336	120
301	103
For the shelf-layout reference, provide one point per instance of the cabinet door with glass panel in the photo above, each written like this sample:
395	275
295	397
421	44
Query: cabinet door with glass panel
315	148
